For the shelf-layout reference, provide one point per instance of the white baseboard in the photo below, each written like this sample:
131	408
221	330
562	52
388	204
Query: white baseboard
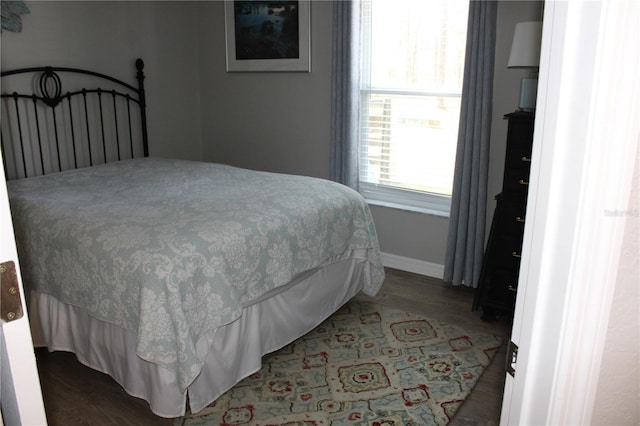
412	265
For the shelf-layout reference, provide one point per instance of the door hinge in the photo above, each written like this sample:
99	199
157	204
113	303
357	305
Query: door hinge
10	302
512	358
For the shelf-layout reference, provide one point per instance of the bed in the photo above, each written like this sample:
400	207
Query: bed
174	277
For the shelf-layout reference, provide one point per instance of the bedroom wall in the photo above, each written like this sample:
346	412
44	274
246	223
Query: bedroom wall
108	37
618	389
280	122
268	121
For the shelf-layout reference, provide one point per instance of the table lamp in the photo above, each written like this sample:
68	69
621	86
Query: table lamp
525	54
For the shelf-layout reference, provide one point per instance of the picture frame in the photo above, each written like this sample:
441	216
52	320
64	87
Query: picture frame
264	36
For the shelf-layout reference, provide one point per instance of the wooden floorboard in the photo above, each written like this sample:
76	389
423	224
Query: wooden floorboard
77	395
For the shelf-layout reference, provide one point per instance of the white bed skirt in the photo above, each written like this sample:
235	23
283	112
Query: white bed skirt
266	325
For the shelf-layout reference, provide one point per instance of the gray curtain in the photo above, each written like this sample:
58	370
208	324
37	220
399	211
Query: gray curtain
345	82
465	242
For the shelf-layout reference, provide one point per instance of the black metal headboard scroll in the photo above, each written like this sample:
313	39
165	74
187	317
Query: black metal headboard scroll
98	119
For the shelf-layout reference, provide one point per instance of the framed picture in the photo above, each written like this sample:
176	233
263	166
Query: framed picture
268	35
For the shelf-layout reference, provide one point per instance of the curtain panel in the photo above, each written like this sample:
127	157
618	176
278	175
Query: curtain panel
345	86
467	221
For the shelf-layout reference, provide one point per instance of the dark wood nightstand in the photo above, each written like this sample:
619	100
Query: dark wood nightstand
496	292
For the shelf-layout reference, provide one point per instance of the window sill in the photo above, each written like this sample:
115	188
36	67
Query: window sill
406	200
408	208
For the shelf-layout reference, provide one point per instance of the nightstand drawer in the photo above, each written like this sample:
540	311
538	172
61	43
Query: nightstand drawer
518	155
507	253
520	130
516	179
517	162
511	217
503	288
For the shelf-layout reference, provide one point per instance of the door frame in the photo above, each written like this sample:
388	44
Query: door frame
585	150
20	396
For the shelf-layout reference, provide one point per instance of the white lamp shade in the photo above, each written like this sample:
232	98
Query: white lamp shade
525	50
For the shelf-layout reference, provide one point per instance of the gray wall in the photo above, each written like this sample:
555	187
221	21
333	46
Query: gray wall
280	122
267	121
108	37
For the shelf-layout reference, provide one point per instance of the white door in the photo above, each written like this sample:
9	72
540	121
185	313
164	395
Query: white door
585	144
20	396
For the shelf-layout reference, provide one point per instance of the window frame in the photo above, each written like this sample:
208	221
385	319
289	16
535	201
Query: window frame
385	195
400	198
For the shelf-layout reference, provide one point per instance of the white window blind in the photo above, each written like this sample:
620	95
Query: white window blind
413	64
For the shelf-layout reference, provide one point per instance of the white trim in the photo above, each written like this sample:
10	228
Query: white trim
414	266
20	390
406	199
585	141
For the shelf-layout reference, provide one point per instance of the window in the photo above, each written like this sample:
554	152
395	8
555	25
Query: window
412	69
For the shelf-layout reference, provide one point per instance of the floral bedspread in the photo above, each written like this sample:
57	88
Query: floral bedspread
171	249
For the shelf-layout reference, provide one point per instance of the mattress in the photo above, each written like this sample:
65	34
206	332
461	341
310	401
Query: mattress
169	260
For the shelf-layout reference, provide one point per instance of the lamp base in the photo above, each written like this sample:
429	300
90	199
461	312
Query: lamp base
528	94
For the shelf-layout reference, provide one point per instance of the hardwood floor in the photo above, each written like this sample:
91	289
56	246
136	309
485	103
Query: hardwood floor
77	395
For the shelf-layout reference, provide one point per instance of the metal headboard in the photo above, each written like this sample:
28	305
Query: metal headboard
98	119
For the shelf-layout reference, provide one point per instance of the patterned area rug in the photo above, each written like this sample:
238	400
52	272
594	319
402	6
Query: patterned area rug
366	364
